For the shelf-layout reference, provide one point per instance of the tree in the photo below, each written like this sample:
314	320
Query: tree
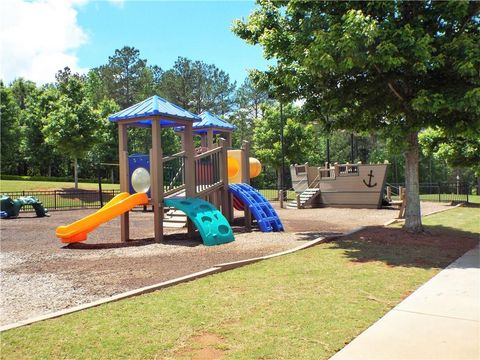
197	86
10	126
40	157
461	150
397	65
123	76
298	137
72	123
177	83
249	97
22	89
458	151
248	101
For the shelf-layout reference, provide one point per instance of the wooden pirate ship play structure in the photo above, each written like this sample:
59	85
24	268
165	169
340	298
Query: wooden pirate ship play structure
340	185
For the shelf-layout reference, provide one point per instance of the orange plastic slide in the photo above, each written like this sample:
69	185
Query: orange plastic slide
78	230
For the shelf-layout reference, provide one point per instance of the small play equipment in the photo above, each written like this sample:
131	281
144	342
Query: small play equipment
235	159
11	208
341	185
120	204
212	225
261	209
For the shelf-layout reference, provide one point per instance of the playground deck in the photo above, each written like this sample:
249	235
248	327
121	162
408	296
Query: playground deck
40	275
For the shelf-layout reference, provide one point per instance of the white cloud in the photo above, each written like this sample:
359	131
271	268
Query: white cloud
39	38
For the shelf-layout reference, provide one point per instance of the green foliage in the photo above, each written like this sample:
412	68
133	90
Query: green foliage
123	75
10	127
197	86
457	151
400	65
248	100
71	123
298	137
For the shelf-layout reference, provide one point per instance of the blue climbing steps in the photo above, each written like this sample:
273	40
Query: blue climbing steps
260	208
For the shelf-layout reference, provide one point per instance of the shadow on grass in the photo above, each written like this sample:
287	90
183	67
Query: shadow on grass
436	248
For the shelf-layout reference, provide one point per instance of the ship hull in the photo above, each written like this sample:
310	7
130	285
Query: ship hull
350	186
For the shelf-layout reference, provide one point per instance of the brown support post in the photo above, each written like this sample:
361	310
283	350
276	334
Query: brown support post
210	138
227	209
228	138
203	140
156	179
124	180
190	181
246	180
182	139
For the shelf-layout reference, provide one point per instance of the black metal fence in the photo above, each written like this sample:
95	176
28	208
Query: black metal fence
274	194
90	199
440	192
66	199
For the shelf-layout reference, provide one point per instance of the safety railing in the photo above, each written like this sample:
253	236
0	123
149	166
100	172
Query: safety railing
316	182
326	173
346	169
174	173
207	171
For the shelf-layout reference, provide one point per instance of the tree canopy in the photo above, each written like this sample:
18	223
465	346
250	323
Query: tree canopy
71	124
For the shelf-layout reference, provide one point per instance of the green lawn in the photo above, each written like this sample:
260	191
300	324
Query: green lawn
21	185
466	218
306	305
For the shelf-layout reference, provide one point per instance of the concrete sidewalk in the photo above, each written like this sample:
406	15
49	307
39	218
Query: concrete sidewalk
440	320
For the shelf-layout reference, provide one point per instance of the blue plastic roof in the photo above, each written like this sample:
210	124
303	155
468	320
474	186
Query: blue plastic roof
211	121
157	106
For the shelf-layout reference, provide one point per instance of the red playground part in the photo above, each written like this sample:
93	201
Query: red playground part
238	204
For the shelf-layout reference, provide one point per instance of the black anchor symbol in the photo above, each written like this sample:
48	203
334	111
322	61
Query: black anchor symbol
370	180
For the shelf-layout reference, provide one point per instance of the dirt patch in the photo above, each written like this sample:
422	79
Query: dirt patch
202	347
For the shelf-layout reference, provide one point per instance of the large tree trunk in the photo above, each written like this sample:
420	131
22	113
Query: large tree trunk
413	220
75	172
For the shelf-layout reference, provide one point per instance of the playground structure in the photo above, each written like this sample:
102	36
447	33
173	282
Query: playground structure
10	208
341	185
185	180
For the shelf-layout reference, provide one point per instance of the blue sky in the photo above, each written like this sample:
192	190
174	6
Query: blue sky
162	31
83	34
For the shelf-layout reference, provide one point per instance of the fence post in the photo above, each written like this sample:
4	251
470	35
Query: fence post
439	193
467	190
100	186
55	199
